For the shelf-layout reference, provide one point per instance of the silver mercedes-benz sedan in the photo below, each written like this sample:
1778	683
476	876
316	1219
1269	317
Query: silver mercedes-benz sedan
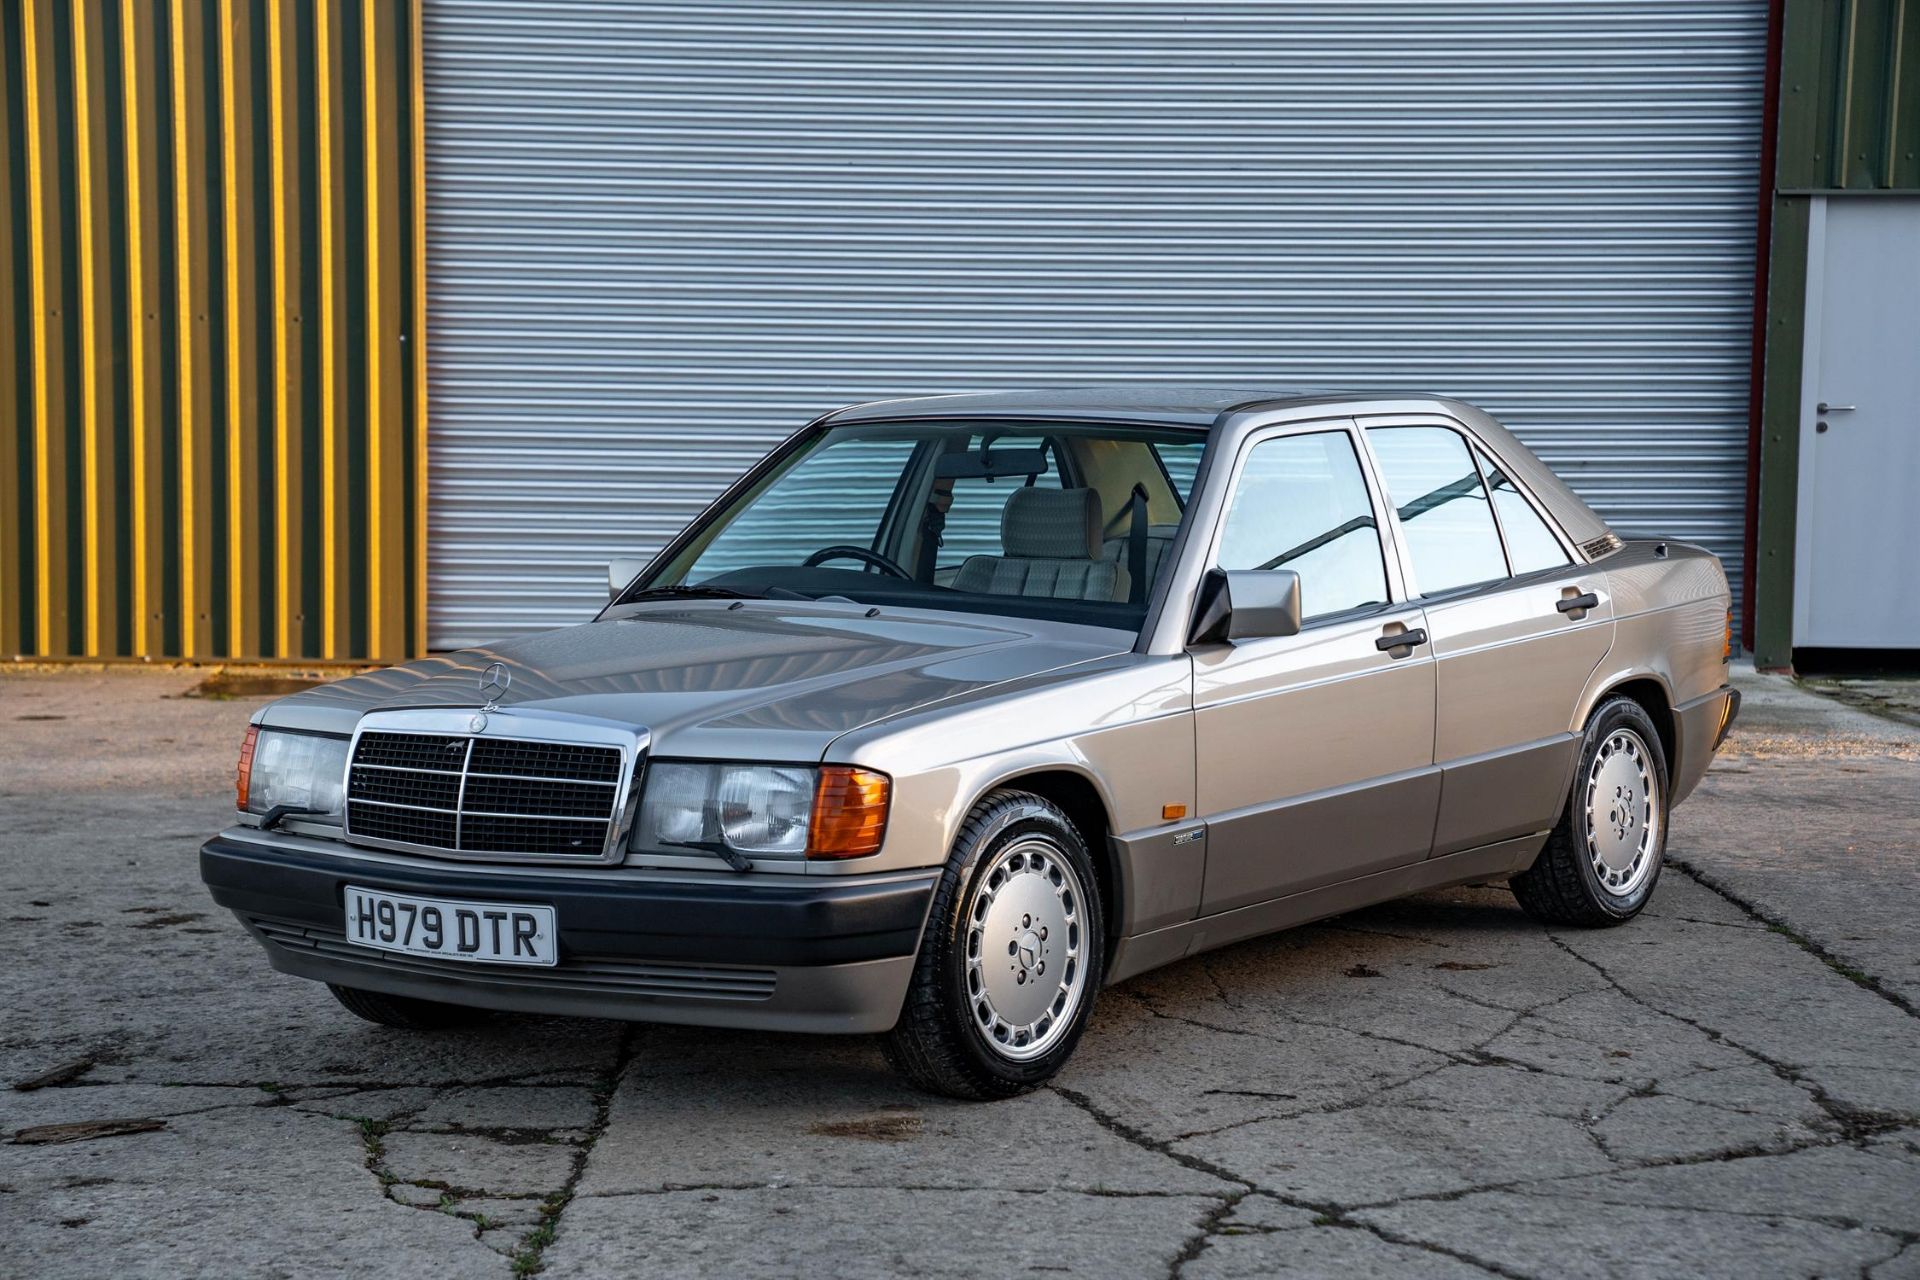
954	710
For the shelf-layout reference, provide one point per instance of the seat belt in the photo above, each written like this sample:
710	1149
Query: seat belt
1137	546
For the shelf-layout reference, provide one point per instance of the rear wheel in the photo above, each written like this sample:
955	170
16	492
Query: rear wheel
1012	957
405	1012
1603	859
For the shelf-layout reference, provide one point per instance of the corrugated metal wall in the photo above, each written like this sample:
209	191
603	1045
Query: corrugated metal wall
211	385
665	234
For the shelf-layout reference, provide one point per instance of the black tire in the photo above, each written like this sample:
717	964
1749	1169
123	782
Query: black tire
405	1012
1562	886
937	1044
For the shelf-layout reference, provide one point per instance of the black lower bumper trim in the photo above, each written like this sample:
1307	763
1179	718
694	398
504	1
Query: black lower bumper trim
1733	713
813	921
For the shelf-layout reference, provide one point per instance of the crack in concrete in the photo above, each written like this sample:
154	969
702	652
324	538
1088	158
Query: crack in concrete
1852	973
1852	1122
529	1256
1326	1213
1837	1221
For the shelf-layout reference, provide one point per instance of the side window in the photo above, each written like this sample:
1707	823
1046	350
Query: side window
1430	478
1531	545
1301	504
973	521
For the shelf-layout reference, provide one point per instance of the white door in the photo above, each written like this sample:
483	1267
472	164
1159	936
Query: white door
1860	428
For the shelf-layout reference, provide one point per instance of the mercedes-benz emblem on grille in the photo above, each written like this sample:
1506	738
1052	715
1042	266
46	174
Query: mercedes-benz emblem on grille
493	684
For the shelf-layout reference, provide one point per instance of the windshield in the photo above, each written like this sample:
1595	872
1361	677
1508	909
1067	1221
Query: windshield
1070	521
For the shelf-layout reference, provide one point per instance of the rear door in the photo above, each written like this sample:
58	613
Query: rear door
1314	752
1517	628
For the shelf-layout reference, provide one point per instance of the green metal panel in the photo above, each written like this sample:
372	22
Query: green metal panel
1850	96
1780	435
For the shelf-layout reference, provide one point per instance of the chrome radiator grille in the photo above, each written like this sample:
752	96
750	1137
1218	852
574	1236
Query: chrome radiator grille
485	797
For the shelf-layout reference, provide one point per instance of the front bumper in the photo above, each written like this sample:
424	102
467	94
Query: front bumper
788	953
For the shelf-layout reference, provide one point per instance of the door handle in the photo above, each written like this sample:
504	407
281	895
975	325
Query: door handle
1578	604
1824	407
1408	640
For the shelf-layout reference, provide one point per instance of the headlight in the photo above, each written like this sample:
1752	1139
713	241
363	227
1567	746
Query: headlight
303	771
764	811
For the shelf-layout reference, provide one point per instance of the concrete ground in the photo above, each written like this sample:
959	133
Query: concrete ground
1729	1086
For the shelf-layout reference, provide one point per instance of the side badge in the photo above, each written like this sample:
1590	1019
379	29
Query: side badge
1188	837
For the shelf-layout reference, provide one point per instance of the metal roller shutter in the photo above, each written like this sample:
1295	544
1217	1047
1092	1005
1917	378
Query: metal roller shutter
661	236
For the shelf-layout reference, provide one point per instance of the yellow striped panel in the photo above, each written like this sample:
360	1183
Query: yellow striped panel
100	516
13	437
51	451
212	375
385	126
287	187
335	639
246	583
147	410
192	301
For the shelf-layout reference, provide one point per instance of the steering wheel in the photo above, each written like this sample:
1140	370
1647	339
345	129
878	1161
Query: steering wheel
847	551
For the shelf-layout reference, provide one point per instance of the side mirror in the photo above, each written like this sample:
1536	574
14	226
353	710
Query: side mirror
1246	604
622	570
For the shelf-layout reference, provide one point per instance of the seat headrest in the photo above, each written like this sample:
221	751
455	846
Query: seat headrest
1051	524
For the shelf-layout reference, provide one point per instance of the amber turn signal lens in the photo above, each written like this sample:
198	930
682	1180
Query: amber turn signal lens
243	776
1726	642
849	812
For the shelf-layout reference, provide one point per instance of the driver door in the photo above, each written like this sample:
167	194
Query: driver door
1314	752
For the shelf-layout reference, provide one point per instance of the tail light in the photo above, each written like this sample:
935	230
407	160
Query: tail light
243	775
849	812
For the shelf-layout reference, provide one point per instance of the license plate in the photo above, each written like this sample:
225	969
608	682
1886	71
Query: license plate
495	933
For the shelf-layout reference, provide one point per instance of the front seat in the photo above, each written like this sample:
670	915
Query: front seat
1051	541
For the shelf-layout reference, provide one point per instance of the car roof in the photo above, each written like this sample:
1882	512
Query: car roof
1176	404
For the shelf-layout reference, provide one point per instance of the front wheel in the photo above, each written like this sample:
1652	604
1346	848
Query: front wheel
1602	860
1012	957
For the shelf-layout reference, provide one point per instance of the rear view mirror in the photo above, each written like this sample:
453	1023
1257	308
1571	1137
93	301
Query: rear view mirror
624	569
991	464
1246	604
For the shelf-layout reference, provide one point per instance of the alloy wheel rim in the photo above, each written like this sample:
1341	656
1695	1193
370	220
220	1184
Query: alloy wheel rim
1025	934
1623	814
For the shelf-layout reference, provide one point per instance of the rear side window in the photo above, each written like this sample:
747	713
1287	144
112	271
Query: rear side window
1301	504
1432	482
1531	545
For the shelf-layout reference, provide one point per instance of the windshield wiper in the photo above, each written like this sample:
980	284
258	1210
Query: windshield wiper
726	853
691	593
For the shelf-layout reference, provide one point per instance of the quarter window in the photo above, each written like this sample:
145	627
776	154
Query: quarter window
1301	503
1433	483
1531	545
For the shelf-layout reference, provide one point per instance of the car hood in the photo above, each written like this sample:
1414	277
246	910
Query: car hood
765	680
